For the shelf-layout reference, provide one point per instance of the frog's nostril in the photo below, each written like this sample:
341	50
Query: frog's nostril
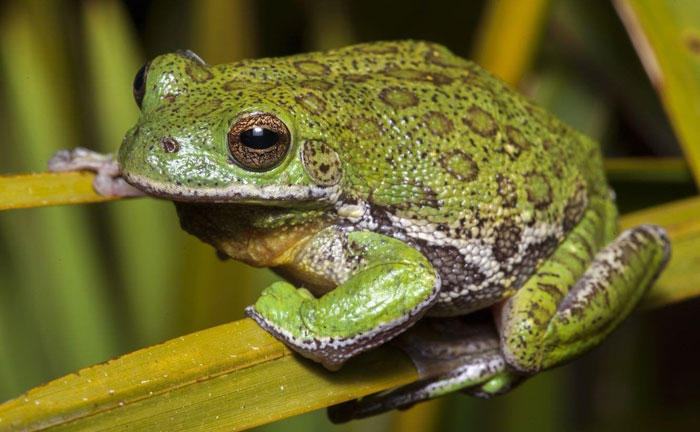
169	145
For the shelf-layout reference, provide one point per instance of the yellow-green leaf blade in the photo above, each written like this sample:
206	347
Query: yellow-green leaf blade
237	376
233	376
508	36
666	35
47	189
647	170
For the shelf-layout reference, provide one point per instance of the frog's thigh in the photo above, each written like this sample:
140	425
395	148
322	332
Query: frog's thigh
388	286
578	296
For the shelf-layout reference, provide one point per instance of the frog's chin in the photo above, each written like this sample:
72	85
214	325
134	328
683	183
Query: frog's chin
238	193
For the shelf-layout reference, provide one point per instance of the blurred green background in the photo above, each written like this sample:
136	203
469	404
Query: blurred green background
81	284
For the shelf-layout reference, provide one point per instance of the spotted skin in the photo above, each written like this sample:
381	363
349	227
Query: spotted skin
397	147
434	126
322	164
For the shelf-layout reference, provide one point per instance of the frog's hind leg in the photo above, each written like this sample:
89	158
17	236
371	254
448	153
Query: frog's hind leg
453	353
578	296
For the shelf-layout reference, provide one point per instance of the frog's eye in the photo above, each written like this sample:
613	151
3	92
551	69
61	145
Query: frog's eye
140	84
259	141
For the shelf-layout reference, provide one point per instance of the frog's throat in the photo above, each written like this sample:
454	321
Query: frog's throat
248	193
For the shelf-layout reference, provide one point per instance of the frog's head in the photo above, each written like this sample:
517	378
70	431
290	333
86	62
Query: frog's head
229	133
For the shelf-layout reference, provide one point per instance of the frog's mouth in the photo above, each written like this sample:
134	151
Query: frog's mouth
237	193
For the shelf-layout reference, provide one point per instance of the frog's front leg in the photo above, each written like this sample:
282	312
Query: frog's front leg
384	286
578	296
107	182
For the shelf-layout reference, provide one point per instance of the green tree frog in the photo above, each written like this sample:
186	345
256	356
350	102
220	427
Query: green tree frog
391	182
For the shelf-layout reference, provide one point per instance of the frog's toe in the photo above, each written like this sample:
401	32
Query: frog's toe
451	356
497	385
476	377
81	158
279	307
287	313
107	181
299	338
106	185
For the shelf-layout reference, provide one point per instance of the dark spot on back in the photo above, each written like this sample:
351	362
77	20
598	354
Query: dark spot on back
507	241
539	191
398	97
480	122
311	103
437	123
311	68
574	208
459	165
507	191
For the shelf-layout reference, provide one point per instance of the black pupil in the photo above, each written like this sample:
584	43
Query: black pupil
259	138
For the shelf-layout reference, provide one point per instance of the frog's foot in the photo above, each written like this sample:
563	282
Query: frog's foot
453	355
107	182
389	287
578	296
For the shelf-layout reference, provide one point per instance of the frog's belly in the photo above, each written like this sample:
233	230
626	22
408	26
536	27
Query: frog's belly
474	276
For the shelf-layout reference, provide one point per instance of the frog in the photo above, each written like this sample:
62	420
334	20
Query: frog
405	195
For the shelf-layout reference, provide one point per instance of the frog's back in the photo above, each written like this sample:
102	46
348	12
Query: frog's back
447	157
